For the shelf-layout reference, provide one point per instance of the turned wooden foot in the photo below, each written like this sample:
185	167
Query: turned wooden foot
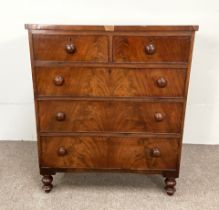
47	183
170	184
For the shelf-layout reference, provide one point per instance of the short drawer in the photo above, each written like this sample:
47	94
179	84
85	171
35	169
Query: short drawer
115	116
70	48
151	49
81	81
109	153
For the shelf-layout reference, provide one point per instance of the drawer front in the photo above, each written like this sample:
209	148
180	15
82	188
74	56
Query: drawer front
109	153
75	81
151	49
75	116
70	48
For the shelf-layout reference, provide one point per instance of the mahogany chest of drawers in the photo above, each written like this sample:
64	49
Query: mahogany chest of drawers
110	98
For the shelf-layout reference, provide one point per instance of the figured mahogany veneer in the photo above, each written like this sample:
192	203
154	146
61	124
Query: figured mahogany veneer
151	49
76	81
109	153
70	48
110	98
117	116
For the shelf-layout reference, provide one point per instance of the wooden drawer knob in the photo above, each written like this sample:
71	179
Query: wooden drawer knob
161	82
158	116
62	151
150	49
60	116
70	48
155	152
58	80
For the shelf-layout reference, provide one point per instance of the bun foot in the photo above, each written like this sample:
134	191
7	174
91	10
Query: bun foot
170	184
47	183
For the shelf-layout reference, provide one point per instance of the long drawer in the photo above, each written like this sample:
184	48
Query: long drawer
115	116
109	153
81	81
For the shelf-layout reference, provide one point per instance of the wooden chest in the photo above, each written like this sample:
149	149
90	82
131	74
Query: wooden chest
110	98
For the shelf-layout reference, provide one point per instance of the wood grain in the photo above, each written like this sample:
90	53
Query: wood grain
109	116
110	99
109	153
80	28
88	48
164	65
132	49
118	82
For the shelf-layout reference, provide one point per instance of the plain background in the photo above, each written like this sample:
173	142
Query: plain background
17	121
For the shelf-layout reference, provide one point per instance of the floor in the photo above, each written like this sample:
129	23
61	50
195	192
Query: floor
20	185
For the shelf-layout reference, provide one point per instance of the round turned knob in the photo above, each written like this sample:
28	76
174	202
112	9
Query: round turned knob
58	80
150	49
60	116
161	82
70	48
62	151
158	116
155	152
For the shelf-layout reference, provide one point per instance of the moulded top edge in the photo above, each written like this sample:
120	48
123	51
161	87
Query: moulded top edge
112	27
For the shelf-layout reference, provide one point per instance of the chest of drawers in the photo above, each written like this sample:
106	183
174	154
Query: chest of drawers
110	98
